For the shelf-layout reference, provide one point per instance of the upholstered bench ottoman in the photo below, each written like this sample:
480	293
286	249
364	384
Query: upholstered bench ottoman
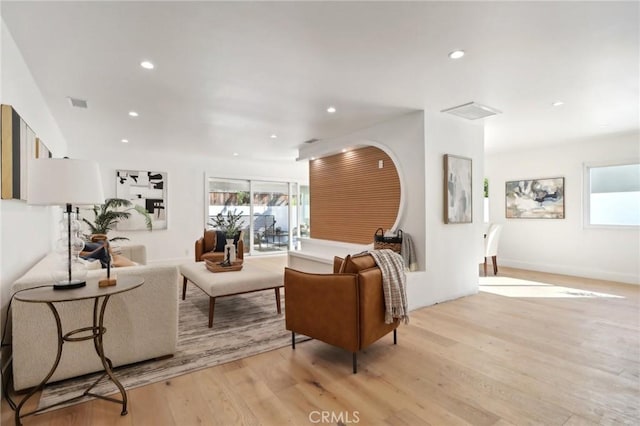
219	284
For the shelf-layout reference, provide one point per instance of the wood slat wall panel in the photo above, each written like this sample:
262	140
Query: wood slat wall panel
351	197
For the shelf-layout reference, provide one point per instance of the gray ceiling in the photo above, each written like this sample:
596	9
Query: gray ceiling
228	75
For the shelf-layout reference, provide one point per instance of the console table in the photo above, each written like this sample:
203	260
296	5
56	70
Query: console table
100	296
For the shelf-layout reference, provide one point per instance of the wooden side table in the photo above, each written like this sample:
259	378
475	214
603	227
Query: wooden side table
95	332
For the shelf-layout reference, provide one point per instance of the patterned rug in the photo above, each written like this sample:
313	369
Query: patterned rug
243	325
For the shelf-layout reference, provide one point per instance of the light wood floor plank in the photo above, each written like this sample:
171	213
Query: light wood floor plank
149	406
485	359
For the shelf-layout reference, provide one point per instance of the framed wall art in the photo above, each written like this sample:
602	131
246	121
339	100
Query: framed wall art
535	198
457	189
19	146
147	189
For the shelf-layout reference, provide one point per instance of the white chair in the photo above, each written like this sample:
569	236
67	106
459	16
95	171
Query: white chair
491	246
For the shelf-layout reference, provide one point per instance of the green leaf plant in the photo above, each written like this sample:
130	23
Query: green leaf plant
231	223
114	210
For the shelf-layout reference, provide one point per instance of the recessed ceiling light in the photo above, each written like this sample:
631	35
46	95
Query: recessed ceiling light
344	149
133	114
456	54
235	154
557	103
147	65
313	158
274	136
125	141
331	109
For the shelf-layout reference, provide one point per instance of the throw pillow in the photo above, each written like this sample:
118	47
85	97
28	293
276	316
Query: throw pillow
119	261
101	254
221	241
91	264
357	263
89	246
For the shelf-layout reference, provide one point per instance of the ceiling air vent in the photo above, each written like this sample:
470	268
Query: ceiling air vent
77	103
472	111
311	140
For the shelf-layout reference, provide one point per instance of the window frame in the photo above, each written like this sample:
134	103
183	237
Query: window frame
586	192
293	187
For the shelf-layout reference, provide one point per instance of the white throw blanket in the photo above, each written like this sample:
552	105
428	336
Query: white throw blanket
394	284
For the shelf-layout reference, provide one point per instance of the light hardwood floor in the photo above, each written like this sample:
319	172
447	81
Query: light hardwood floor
486	359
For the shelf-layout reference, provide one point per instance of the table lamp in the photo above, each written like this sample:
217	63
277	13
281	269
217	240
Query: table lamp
65	182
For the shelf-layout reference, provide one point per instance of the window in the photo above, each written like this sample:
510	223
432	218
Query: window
270	216
612	194
268	209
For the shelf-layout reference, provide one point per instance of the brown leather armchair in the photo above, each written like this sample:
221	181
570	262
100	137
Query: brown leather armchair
345	309
205	246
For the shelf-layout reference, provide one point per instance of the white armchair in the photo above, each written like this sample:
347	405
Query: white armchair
491	246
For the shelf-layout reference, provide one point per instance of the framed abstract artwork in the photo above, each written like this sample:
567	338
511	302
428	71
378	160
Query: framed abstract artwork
457	189
535	198
147	189
19	146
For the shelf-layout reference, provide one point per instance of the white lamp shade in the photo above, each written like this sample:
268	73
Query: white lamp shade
60	181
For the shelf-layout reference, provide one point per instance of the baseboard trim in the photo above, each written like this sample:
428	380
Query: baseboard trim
571	270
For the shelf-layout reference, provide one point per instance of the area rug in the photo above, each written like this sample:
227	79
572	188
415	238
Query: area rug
243	325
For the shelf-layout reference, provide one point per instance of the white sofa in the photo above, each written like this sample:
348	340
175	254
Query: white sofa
141	324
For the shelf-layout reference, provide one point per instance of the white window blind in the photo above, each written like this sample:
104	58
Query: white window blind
613	195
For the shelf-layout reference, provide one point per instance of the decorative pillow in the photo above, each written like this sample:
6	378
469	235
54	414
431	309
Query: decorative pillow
101	254
89	246
221	241
91	264
357	263
119	261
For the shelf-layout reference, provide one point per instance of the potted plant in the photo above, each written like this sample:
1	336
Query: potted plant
230	223
107	215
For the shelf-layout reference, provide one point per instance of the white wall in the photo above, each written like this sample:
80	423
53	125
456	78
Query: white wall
26	232
453	250
448	255
564	246
185	191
